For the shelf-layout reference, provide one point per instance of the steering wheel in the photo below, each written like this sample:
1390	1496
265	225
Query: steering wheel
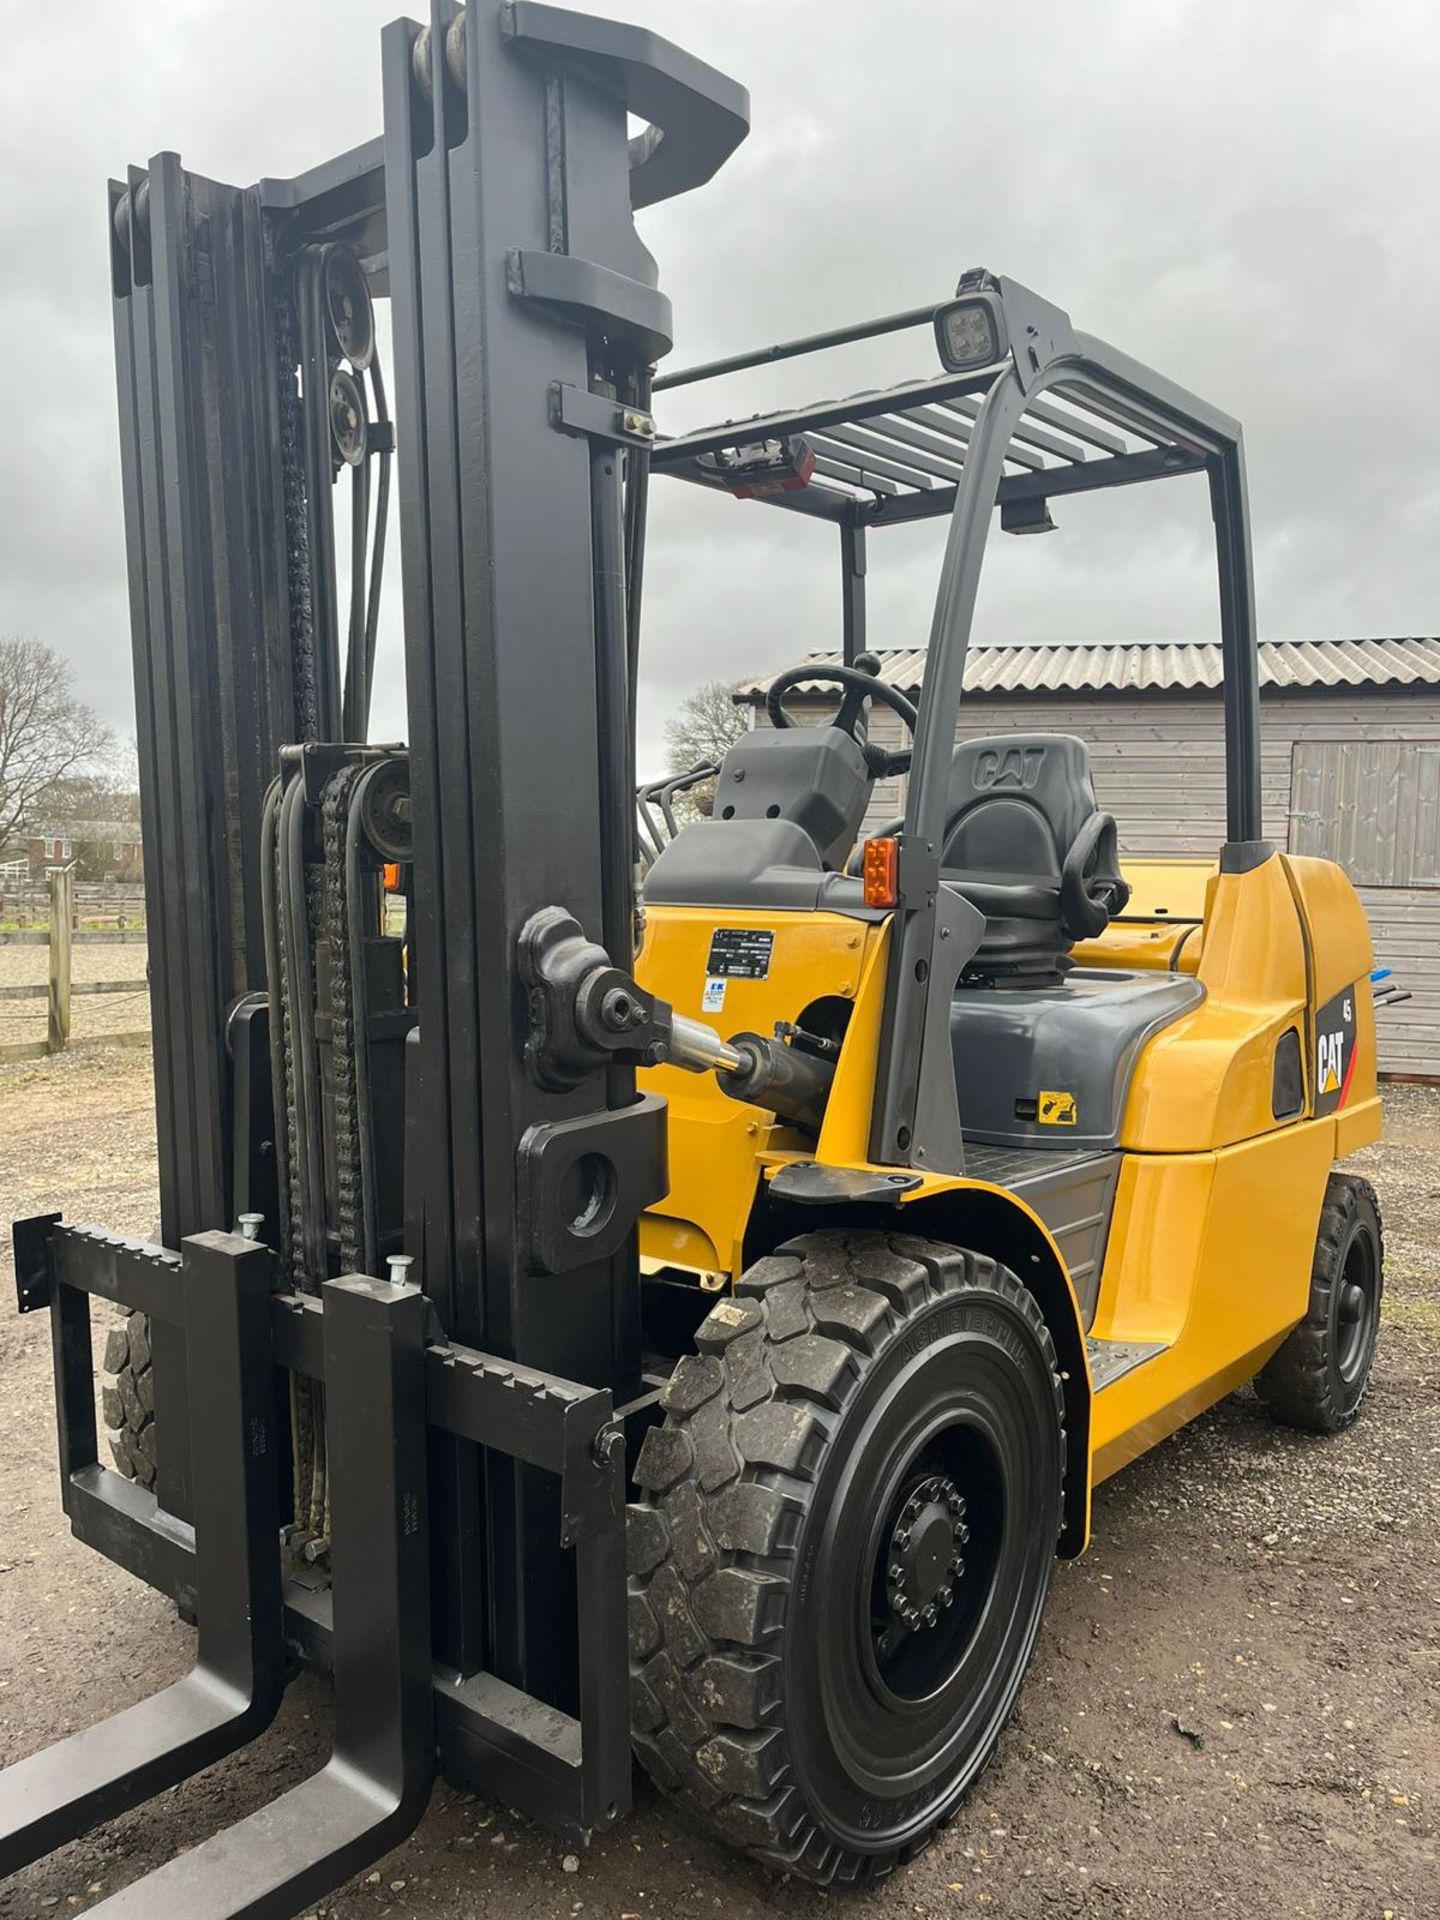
861	684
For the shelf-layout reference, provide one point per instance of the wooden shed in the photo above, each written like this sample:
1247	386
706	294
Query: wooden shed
1350	745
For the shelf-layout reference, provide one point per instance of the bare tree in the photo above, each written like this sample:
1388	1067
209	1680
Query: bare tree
47	736
708	722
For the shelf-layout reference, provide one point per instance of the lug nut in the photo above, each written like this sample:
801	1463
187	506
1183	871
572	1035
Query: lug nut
250	1225
399	1265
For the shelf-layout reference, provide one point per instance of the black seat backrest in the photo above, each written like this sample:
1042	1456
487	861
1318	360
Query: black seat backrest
1028	846
1017	801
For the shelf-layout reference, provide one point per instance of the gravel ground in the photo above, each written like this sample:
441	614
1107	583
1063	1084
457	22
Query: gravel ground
1233	1711
92	1015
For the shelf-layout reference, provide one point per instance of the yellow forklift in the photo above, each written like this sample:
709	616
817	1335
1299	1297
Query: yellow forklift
817	1259
1013	1162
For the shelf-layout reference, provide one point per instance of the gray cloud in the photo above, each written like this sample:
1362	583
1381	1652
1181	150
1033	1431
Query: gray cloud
1241	195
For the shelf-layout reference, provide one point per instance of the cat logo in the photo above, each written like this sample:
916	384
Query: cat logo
1336	1050
1057	1110
1331	1063
1015	767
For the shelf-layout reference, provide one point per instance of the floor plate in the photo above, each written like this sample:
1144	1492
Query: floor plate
1111	1360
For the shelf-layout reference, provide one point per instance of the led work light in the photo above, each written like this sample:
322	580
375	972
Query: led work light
971	332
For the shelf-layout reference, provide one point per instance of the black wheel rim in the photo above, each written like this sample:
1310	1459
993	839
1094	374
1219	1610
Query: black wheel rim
887	1736
1356	1304
934	1559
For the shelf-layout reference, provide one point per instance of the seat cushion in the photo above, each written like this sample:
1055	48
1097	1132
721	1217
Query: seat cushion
1017	899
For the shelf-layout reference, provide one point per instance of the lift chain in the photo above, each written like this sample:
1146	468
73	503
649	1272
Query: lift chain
327	896
303	1425
297	536
293	1227
349	1175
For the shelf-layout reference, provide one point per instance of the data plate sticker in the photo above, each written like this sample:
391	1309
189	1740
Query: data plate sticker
739	953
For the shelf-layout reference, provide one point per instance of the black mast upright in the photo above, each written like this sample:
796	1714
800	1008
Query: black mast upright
527	318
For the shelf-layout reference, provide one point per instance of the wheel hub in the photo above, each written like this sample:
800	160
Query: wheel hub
924	1556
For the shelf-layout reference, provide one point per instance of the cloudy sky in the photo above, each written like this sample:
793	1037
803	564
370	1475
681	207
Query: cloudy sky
1242	195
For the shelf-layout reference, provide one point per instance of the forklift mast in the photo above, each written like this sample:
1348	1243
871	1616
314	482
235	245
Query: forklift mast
496	211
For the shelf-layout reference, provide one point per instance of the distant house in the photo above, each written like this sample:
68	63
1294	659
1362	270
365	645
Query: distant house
102	849
1350	768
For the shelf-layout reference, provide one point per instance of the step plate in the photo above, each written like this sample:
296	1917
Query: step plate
1111	1360
1018	1167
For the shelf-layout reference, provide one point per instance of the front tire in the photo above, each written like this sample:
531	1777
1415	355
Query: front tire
1319	1376
838	1575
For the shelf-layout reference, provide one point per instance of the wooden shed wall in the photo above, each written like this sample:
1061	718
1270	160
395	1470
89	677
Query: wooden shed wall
1159	766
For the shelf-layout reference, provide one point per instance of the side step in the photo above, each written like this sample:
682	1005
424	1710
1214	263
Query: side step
1111	1360
234	1688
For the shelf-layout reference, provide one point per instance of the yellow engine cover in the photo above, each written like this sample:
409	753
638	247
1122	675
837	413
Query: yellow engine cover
740	972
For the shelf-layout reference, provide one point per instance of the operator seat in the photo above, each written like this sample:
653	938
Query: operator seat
1028	846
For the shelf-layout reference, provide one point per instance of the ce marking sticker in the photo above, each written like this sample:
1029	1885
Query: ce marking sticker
739	953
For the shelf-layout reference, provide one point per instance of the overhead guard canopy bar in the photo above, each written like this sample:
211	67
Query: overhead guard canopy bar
913	1118
793	349
950	446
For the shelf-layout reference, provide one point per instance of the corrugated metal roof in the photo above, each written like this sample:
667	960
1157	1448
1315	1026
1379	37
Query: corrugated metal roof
1137	666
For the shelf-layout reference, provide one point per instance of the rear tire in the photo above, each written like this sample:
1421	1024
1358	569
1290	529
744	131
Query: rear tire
127	1399
838	1575
1319	1377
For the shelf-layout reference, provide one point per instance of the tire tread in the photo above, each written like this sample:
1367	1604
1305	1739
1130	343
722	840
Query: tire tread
1298	1382
714	1543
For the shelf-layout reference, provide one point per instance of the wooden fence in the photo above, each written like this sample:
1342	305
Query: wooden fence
25	903
61	988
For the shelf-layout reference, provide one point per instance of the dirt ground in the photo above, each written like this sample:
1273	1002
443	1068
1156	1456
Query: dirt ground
1234	1710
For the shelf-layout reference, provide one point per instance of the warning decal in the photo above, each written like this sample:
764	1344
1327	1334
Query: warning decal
1057	1110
